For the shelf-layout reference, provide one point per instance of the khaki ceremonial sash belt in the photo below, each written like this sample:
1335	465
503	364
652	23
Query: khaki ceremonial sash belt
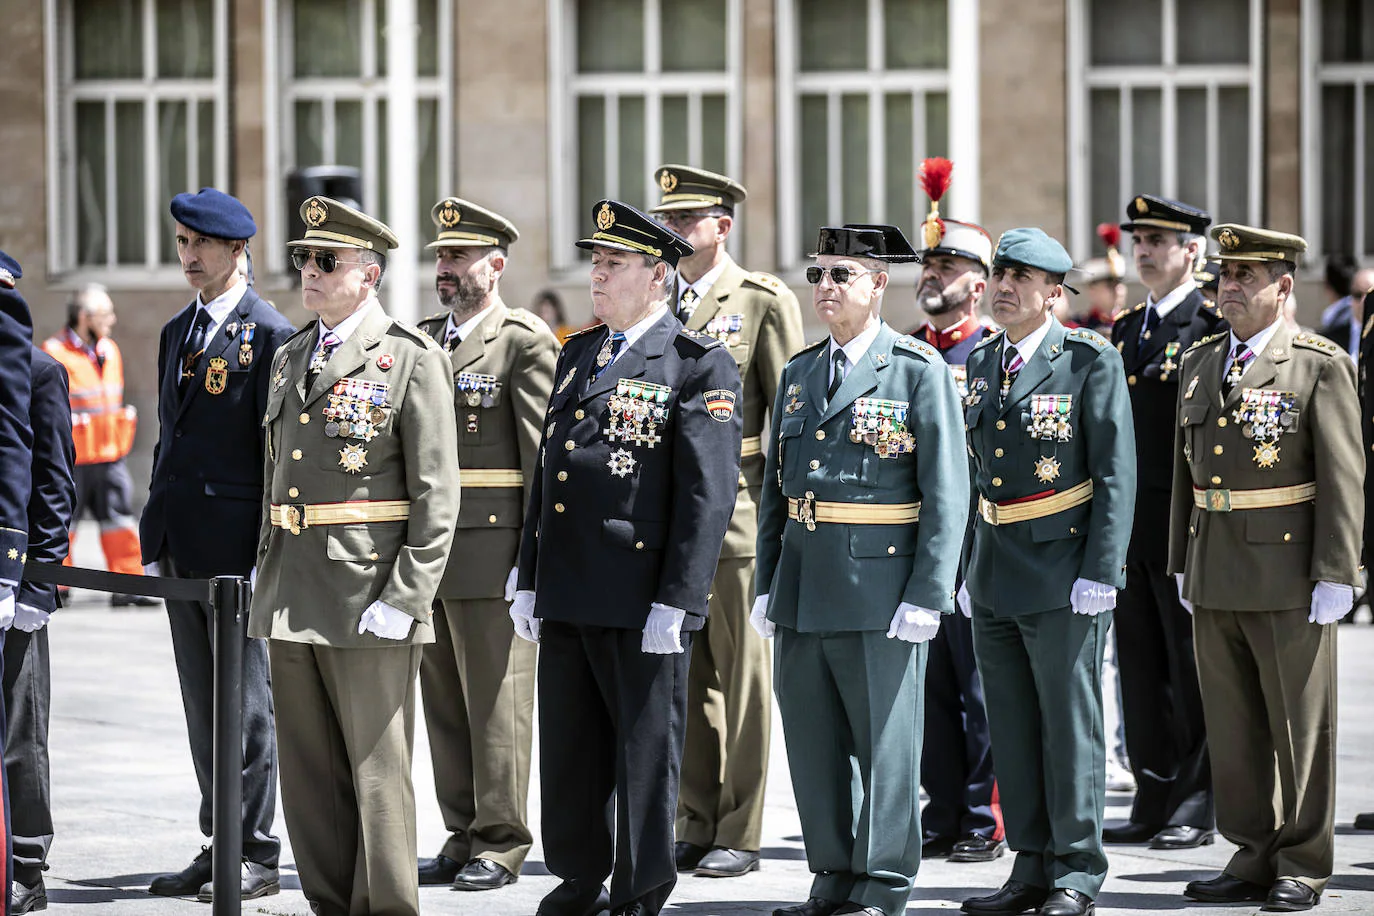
1010	513
1219	500
810	512
752	445
490	477
295	517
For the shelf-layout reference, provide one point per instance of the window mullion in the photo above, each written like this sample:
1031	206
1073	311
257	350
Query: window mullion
834	168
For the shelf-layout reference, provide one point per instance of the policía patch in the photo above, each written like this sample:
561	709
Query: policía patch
720	404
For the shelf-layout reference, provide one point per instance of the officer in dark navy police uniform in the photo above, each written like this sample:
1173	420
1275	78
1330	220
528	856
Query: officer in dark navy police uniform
631	499
205	502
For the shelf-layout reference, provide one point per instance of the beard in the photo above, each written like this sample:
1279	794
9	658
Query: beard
467	295
936	300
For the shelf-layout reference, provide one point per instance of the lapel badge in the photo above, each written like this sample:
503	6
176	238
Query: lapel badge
1191	385
1046	469
385	361
880	358
566	380
231	329
353	458
217	375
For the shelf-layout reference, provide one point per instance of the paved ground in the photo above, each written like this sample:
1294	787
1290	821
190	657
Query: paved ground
125	801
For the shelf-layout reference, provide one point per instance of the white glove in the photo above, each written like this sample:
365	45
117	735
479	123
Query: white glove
510	583
6	607
1330	602
253	579
381	619
758	618
152	569
29	618
663	630
913	624
1091	598
522	615
964	601
1187	605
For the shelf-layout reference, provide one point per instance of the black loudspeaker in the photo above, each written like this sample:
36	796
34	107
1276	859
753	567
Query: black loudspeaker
341	182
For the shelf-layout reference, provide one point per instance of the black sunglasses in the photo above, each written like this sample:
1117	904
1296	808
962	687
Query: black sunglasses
326	261
841	275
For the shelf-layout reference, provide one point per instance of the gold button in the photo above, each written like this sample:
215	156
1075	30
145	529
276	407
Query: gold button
1001	424
558	507
998	453
742	481
579	413
639	545
1073	531
996	481
1287	537
1217	450
373	555
1130	380
492	519
562	475
295	454
1192	530
815	464
820	434
305	418
1216	481
570	445
293	492
891	550
810	494
1221	421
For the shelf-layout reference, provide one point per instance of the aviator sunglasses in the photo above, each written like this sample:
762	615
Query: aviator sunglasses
841	275
325	260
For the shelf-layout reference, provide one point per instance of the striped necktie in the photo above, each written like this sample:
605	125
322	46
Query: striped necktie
325	349
1011	367
1240	361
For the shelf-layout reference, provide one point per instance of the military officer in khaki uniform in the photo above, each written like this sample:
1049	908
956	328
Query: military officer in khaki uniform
1265	535
358	517
725	765
477	678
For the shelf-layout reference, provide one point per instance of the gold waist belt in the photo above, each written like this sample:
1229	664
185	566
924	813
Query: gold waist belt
1219	500
296	517
488	477
1009	513
752	445
810	512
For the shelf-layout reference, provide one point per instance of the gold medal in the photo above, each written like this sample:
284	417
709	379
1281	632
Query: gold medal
1266	455
1046	469
353	458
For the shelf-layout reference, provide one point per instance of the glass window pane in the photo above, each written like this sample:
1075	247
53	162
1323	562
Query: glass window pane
854	176
172	176
833	36
713	131
185	38
1234	130
609	36
1191	148
1146	149
694	35
591	158
90	183
937	124
916	34
1368	165
633	172
348	134
1104	154
309	133
326	37
427	54
108	39
1347	31
205	119
1126	32
1337	168
1214	32
675	146
428	129
900	165
815	165
129	190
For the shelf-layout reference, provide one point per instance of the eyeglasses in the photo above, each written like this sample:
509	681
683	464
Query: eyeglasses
683	217
326	261
841	275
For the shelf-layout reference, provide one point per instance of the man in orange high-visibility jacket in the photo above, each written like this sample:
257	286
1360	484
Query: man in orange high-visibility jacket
102	429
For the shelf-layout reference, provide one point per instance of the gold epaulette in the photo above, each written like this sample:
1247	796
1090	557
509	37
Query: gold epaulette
1091	338
913	345
767	281
1317	342
1130	311
1210	338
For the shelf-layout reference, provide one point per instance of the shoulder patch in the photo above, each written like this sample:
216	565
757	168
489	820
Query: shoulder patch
1318	343
705	341
912	345
1130	311
767	281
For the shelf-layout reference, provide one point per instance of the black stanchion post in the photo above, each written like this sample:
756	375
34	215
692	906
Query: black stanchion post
229	598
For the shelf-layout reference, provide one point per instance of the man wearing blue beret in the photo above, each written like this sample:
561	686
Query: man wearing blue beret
1053	446
205	502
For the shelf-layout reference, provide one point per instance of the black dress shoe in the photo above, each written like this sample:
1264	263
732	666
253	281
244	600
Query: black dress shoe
687	855
814	906
254	881
1065	901
483	875
934	846
1289	896
1225	888
1014	897
1130	832
28	898
1182	838
1364	821
186	882
439	870
133	601
727	863
976	848
859	910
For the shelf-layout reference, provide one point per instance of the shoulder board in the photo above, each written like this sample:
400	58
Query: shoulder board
437	316
988	340
525	318
705	341
309	327
1369	323
1210	338
1130	311
1317	342
1090	338
585	331
1210	307
809	347
414	333
912	345
767	281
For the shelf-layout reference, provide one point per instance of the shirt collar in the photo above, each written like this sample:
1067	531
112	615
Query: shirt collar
469	325
1261	340
220	306
1031	342
704	282
344	329
856	348
943	340
1173	298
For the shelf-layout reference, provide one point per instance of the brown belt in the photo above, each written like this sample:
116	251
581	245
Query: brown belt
752	445
490	477
1009	513
811	512
296	517
1219	500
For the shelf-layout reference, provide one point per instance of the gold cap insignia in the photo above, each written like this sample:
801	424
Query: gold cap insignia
316	213
449	215
1228	240
667	182
932	231
605	219
1141	207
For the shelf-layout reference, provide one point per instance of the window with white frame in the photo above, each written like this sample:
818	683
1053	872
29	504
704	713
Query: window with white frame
1164	99
139	115
643	82
1338	161
334	97
867	90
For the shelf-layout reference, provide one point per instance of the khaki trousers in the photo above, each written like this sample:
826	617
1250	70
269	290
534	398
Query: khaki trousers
729	715
1269	697
345	733
477	680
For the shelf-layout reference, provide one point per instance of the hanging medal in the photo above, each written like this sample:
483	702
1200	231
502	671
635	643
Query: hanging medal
247	330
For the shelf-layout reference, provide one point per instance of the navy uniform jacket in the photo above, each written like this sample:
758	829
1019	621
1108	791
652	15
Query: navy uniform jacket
613	526
54	489
1152	369
16	437
206	493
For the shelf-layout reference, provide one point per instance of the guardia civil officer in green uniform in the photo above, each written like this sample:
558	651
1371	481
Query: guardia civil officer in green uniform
477	678
729	684
358	517
865	502
1265	532
1049	427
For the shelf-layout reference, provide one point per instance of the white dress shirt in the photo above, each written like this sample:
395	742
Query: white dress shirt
855	349
220	307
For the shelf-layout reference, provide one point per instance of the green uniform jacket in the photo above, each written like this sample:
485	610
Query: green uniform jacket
499	432
844	577
770	331
313	587
1030	566
1268	559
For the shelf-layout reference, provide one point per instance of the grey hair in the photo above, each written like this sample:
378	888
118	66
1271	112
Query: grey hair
665	292
77	303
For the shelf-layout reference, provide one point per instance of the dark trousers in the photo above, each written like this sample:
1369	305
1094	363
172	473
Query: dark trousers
193	628
611	729
27	696
1166	736
956	758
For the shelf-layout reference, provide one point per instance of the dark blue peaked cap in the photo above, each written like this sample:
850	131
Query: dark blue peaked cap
214	213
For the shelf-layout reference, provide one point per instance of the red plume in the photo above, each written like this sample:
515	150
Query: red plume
1110	234
935	174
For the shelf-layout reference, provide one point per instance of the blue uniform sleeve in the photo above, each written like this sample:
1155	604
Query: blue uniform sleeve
16	437
54	489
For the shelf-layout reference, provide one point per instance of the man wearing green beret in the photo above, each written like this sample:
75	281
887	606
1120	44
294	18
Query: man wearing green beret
729	684
1264	536
1050	431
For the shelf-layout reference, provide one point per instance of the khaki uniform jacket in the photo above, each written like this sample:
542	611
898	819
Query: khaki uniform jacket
1267	559
770	334
314	586
499	432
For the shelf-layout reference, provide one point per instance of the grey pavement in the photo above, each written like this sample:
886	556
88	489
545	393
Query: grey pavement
125	801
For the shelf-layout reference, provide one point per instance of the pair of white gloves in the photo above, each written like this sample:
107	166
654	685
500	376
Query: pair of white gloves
20	616
1330	601
1088	598
662	628
910	623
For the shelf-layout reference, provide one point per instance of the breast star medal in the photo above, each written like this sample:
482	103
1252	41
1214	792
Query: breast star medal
622	463
1266	455
353	458
217	375
1046	469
